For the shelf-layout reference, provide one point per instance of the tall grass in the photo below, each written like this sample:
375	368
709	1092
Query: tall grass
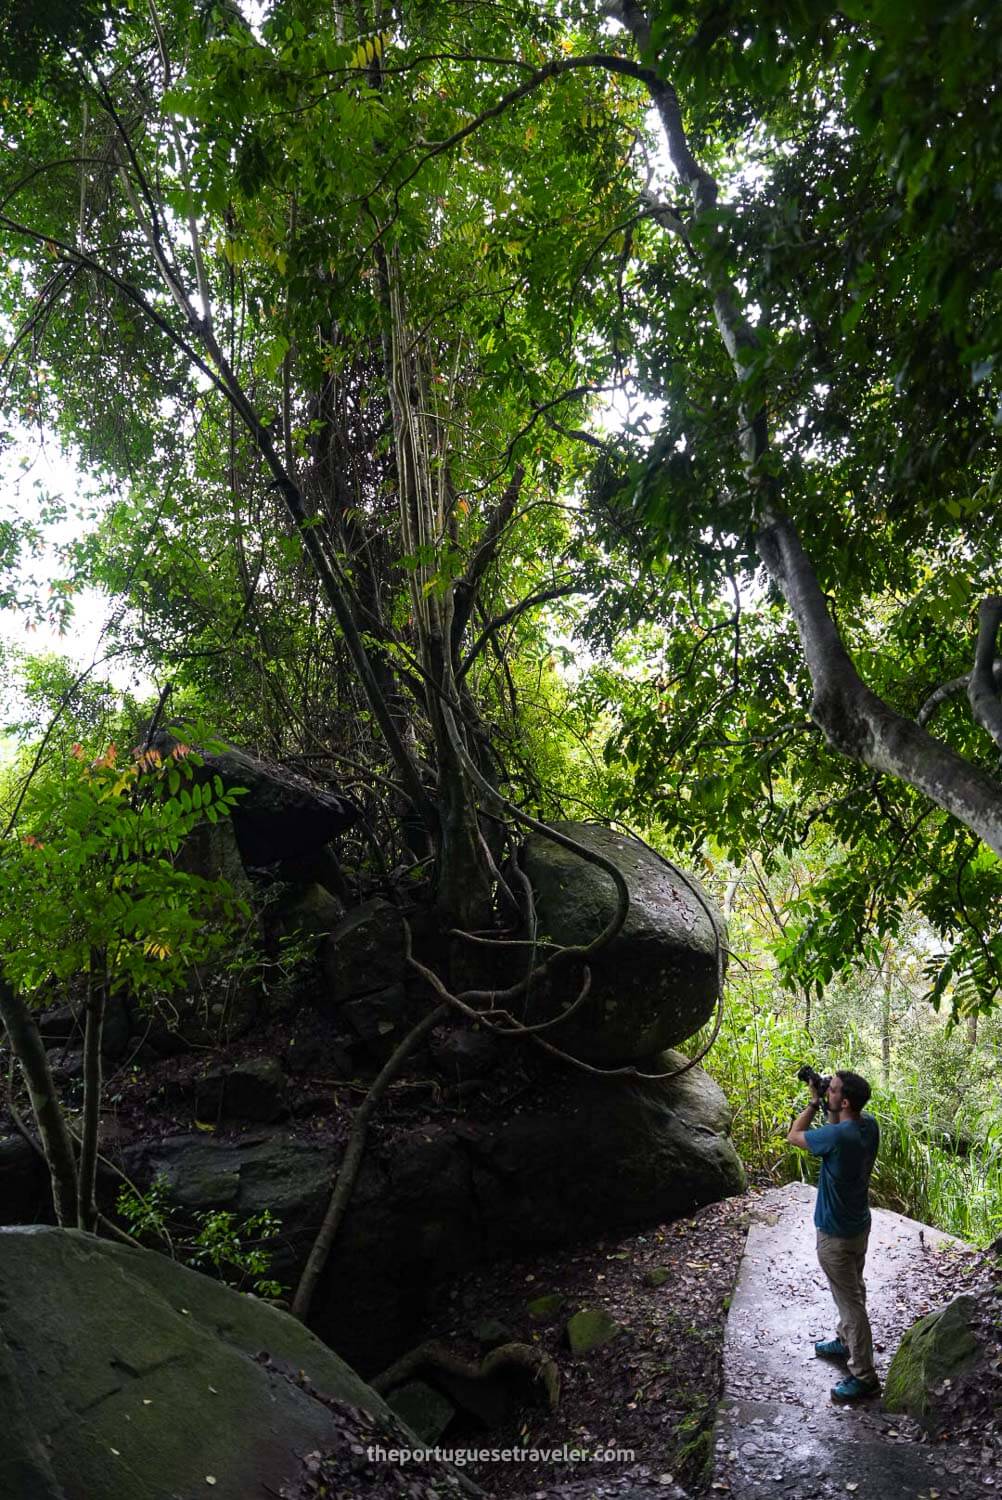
915	1176
755	1061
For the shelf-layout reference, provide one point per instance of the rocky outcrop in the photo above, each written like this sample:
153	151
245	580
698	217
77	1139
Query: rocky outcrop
281	815
579	1156
122	1373
938	1347
657	982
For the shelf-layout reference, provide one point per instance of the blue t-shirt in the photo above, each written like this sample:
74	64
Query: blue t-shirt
847	1153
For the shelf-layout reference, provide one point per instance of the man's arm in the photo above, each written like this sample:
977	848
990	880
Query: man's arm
798	1130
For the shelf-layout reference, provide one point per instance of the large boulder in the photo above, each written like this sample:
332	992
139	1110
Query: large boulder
578	1156
938	1347
282	816
122	1373
658	980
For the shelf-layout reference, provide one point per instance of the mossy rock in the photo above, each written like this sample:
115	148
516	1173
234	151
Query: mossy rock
590	1328
657	1275
425	1410
936	1348
543	1309
129	1375
694	1459
657	981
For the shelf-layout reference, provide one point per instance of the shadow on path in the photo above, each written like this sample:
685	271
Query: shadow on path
778	1433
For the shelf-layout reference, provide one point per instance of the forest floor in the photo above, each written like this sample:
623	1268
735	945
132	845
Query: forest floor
653	1390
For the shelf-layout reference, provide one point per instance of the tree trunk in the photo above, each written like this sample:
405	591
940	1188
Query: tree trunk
26	1044
885	1027
854	720
96	1001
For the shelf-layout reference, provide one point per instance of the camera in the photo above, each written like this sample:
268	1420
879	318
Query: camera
806	1074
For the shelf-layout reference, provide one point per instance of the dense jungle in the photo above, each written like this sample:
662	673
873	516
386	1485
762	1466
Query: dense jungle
499	643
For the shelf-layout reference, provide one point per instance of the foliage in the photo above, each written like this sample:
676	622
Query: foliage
755	1060
231	1247
856	228
961	1193
91	880
484	189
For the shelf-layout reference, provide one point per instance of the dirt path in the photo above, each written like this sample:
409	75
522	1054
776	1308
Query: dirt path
778	1434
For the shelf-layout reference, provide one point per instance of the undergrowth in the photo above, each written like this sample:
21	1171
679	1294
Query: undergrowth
953	1182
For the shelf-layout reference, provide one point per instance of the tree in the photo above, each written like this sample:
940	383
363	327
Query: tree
823	331
89	889
361	389
359	288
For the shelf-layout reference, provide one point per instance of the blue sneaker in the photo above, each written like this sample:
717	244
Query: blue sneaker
831	1349
855	1389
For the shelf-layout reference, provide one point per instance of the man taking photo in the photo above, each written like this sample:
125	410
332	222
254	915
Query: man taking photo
847	1146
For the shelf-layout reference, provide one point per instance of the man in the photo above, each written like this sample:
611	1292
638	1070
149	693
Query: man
847	1147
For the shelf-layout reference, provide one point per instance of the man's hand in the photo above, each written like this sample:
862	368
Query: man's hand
804	1121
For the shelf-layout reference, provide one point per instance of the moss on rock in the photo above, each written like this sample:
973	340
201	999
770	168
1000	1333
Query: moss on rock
590	1328
936	1348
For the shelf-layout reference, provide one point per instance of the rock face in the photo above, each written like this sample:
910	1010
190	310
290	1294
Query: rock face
581	1156
936	1348
251	1090
365	951
25	1194
656	983
122	1373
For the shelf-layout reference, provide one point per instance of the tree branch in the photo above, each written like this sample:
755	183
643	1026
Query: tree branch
854	720
952	689
558	591
982	693
352	1161
465	591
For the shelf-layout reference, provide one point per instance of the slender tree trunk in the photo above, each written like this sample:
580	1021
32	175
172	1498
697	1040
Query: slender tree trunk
93	1032
972	1030
26	1044
885	1024
352	1160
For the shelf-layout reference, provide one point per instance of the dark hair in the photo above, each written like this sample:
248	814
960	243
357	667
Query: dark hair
854	1088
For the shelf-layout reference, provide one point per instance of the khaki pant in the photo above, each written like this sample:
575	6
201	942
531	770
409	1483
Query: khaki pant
842	1261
